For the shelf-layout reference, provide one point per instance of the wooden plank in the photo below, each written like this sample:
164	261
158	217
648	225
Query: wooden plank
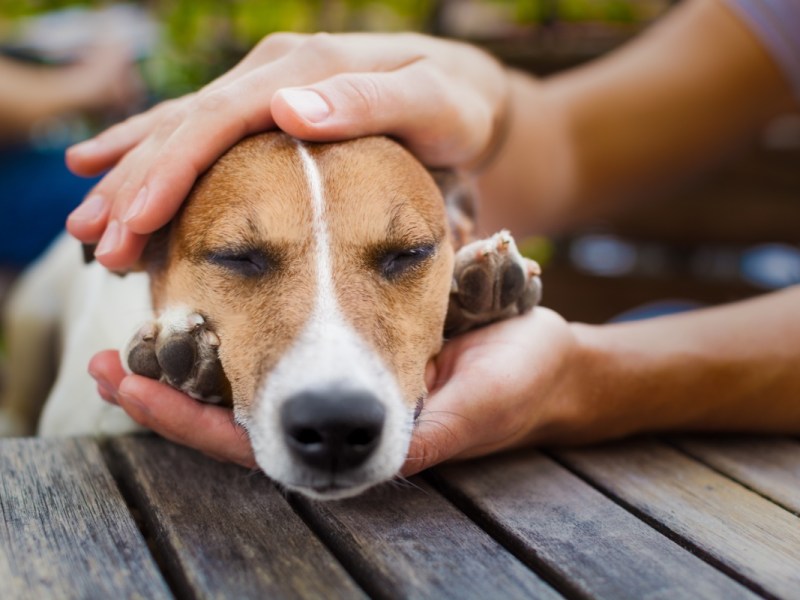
734	527
768	465
65	531
406	541
583	540
222	531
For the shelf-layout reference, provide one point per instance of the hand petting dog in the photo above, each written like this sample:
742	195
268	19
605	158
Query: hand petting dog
318	88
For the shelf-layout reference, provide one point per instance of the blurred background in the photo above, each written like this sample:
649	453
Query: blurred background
77	67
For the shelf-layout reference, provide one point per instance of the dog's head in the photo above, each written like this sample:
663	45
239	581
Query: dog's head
325	271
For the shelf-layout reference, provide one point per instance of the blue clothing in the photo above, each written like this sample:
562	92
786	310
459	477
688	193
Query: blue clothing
777	24
37	192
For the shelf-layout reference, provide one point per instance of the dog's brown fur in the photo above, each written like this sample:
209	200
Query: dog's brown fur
265	196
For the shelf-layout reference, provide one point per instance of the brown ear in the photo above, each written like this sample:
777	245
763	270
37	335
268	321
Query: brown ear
154	256
460	198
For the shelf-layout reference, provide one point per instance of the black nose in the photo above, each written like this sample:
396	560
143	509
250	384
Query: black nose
333	430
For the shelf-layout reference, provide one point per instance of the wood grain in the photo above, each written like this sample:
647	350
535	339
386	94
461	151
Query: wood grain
223	532
65	530
734	527
406	541
768	465
595	548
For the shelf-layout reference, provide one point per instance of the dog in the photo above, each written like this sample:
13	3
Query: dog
305	285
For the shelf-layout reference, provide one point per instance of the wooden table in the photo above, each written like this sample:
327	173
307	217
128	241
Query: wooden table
139	517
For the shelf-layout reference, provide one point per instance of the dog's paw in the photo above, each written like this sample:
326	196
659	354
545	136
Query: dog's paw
491	281
179	349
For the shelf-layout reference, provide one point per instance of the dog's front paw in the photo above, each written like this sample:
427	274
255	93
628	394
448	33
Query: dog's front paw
491	281
179	349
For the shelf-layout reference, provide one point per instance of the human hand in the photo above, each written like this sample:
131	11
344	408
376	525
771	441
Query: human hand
170	413
505	385
442	99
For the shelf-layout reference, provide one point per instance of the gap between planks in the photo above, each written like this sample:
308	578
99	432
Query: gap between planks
737	530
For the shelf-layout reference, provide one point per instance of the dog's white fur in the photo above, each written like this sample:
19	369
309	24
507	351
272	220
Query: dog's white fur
328	354
84	309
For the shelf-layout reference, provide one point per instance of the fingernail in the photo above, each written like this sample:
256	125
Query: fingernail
89	146
89	210
106	392
110	240
138	205
307	104
133	405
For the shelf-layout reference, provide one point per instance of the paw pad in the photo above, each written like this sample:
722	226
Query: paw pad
491	281
179	349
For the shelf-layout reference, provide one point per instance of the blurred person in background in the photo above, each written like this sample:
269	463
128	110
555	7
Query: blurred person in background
38	192
544	153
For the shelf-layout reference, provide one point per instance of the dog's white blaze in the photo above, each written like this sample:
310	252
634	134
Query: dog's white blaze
326	305
328	353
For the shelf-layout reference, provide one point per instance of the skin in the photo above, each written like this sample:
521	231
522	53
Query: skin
665	107
105	80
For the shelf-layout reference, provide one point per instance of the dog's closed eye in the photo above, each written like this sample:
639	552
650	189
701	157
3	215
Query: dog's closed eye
395	262
245	262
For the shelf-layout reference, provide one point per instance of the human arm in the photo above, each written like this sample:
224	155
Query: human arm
30	93
680	98
537	380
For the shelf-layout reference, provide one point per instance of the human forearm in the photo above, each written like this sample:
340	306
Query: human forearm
28	95
105	80
731	368
679	98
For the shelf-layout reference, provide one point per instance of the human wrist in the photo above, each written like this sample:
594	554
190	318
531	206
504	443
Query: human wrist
530	176
607	387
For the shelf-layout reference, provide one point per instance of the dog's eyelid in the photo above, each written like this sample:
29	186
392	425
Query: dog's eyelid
397	260
246	261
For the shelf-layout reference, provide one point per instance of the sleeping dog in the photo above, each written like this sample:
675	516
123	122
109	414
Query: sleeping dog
306	285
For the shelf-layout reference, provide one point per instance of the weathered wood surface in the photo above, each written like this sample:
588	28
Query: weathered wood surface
629	520
768	465
583	540
65	531
732	526
222	531
406	541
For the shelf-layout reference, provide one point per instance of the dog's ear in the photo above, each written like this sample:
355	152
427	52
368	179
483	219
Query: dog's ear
460	198
153	257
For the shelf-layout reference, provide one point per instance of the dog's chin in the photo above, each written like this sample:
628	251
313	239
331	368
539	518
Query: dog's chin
332	491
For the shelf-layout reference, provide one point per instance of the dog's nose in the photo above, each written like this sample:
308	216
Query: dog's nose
333	430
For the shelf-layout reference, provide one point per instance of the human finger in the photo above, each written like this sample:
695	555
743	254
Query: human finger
106	369
104	150
219	116
181	419
450	126
446	428
101	152
172	414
